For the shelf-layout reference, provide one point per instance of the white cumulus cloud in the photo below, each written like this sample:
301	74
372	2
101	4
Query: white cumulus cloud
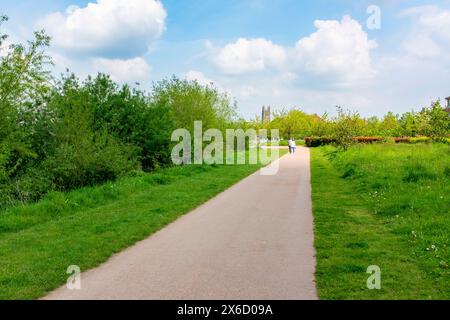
136	69
339	52
430	36
338	49
113	28
249	55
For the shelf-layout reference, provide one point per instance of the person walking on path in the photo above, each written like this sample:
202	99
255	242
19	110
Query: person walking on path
292	146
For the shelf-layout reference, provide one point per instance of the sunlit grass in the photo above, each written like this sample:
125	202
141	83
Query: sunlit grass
384	205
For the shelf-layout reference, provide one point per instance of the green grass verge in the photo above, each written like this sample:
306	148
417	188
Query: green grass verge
384	205
85	227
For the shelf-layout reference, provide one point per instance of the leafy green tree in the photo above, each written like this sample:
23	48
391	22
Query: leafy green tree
372	127
346	126
188	101
390	125
321	126
439	121
24	86
81	152
133	118
293	123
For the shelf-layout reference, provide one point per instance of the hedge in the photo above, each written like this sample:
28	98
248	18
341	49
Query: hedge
313	142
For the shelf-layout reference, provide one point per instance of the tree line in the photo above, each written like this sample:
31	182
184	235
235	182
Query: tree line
432	121
66	133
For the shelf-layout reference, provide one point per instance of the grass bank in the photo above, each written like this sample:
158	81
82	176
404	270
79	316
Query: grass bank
384	205
85	227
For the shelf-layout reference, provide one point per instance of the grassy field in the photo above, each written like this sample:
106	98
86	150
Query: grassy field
384	205
85	227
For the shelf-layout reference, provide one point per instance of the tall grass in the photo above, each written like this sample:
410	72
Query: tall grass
409	187
394	198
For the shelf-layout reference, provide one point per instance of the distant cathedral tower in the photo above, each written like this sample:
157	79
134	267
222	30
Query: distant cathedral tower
266	114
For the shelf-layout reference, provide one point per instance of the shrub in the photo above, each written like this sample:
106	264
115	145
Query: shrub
132	118
402	140
368	139
32	186
313	142
438	121
346	126
88	162
420	140
413	140
188	101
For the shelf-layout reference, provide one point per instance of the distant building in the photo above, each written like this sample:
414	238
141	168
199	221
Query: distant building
448	104
266	115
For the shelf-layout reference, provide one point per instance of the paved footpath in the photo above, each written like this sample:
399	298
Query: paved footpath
254	241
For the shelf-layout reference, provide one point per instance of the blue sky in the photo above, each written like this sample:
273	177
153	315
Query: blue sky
285	53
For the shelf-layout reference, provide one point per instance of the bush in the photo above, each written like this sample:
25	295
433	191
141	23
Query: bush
345	127
368	139
420	140
188	101
32	186
88	162
132	118
402	140
313	142
413	140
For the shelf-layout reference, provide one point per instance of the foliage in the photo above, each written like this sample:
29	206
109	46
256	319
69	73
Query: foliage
66	134
128	115
293	123
24	86
345	128
368	139
188	101
438	121
313	142
420	140
433	122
